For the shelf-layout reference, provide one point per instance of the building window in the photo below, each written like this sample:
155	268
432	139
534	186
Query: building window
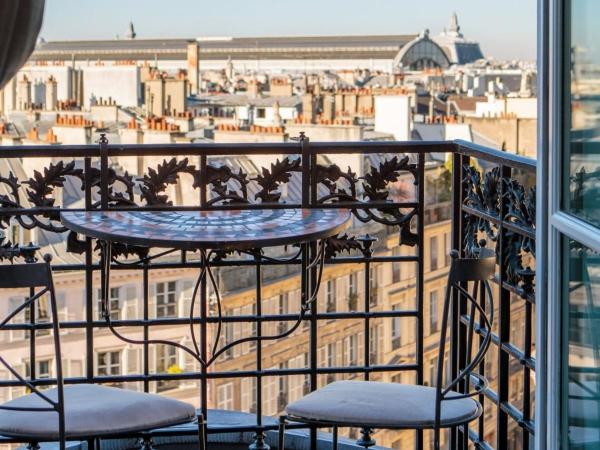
433	312
282	399
353	291
353	283
249	395
330	296
270	394
283	303
351	350
432	371
296	382
42	369
331	354
373	286
166	362
433	253
229	333
113	303
254	328
166	299
109	363
396	325
225	396
261	113
374	344
42	313
396	266
283	308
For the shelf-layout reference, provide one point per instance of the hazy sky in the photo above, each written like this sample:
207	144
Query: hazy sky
506	29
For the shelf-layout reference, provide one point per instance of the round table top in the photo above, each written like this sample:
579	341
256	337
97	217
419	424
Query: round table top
215	229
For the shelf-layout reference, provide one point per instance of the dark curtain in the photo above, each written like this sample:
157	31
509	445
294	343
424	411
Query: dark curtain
20	23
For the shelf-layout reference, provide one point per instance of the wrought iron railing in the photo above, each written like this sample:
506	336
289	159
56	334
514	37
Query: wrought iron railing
491	201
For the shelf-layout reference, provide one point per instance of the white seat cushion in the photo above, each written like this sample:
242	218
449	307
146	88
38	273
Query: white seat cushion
93	411
381	405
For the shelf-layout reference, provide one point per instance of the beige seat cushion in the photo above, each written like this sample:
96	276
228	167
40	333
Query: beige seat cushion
93	410
381	405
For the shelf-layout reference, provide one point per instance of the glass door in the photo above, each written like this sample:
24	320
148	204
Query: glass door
573	389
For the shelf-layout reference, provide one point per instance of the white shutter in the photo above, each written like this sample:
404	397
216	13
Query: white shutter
129	301
17	335
97	299
346	350
340	294
17	391
151	300
246	396
187	289
322	356
360	347
4	393
190	364
76	367
61	306
133	365
152	350
246	328
296	382
79	310
152	364
133	356
237	332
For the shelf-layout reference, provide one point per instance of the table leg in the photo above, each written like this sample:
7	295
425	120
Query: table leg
203	335
310	269
105	258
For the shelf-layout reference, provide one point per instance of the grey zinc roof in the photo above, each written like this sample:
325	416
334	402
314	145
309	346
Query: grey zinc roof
286	47
246	100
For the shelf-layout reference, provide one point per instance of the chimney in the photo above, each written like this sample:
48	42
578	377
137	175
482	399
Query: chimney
253	89
328	107
24	93
308	107
193	62
276	116
51	97
33	135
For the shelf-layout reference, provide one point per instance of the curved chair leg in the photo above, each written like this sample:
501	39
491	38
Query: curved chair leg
281	436
334	442
33	446
366	440
146	443
259	442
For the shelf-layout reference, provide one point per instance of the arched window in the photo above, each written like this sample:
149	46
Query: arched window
420	54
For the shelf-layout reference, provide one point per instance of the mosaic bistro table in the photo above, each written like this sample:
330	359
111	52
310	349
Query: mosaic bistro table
220	229
208	232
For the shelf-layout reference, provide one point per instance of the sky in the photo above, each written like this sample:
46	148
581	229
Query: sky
505	29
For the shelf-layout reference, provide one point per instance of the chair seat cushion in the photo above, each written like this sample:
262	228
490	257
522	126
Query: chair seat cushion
381	405
93	410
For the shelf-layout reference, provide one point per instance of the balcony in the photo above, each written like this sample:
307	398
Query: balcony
493	201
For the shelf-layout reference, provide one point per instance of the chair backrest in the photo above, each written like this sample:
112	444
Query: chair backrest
468	283
37	277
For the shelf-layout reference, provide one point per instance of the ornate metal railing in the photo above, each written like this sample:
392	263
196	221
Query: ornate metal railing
492	201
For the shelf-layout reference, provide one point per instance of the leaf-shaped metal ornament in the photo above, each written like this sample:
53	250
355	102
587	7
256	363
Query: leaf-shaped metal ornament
270	180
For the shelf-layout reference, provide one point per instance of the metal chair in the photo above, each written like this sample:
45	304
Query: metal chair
369	405
74	412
